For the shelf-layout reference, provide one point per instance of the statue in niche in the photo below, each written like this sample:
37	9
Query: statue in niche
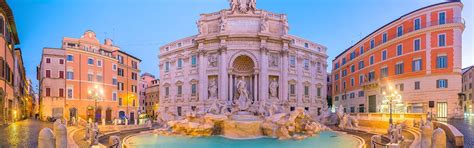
212	88
264	25
273	60
273	89
212	61
242	102
222	24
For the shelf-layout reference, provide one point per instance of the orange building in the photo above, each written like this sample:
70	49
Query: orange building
418	55
89	80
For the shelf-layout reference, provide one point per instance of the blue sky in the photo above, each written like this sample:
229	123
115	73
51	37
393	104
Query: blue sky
140	27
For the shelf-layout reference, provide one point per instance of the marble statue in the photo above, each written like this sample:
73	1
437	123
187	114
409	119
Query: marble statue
274	60
222	24
243	100
286	26
264	25
114	142
212	61
426	134
243	6
273	89
214	109
201	27
212	89
95	134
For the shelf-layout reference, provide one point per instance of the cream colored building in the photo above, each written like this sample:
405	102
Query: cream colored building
242	44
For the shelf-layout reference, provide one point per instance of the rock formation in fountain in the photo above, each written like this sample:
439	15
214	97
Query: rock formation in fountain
439	139
426	134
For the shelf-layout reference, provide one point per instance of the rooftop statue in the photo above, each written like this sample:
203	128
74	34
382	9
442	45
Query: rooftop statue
243	6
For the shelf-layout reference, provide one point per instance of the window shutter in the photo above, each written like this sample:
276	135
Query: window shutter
446	83
437	83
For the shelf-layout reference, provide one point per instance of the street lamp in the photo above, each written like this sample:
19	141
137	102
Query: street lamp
390	97
95	94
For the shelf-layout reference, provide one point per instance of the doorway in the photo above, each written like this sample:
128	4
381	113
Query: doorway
372	104
108	115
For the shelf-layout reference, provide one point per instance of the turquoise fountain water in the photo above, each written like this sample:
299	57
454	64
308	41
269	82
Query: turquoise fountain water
323	140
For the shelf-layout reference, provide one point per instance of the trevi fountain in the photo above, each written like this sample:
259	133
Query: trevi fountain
243	81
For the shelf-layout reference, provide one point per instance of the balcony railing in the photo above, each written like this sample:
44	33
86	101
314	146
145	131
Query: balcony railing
408	30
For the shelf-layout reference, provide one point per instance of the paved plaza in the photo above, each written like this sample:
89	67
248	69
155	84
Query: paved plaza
466	127
22	133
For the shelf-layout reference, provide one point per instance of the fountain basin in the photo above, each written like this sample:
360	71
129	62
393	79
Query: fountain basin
236	129
324	139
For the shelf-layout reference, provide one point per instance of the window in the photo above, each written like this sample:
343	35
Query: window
416	44
442	18
48	92
61	61
318	66
361	108
416	65
361	50
361	65
384	72
99	63
343	61
336	98
336	65
442	62
120	59
292	61
61	74
134	76
70	58
384	55
306	64
442	83
167	66
417	85
352	95
306	45
371	76
344	73
399	68
90	61
401	87
134	88
61	92
90	77
167	91
114	81
399	31
69	92
442	40
361	79
48	73
306	91
193	89
180	90
114	96
193	60
371	60
48	60
292	89
352	82
120	101
180	63
352	55
384	37
114	67
361	93
417	23
70	75
399	50
352	109
336	77
120	86
99	78
372	44
318	92
353	68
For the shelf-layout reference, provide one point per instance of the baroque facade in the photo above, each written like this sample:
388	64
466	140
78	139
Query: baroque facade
242	54
88	80
418	55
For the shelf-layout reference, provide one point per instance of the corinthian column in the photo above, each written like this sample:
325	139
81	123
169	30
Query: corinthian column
264	71
223	78
203	95
284	74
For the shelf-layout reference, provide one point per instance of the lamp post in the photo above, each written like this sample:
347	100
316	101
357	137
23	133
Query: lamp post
95	94
391	96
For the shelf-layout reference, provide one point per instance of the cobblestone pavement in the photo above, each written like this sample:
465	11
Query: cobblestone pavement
466	127
22	133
